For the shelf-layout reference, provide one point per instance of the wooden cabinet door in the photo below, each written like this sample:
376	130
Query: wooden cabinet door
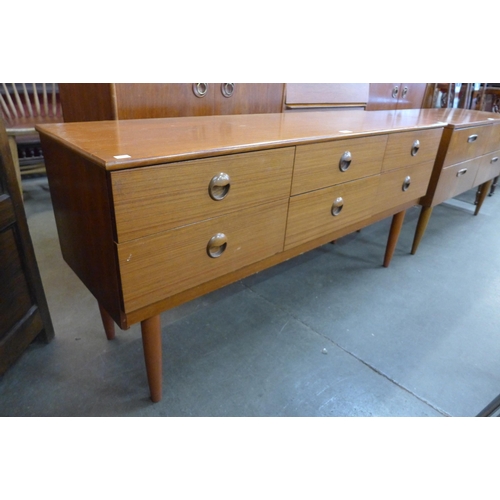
24	314
383	96
248	98
411	95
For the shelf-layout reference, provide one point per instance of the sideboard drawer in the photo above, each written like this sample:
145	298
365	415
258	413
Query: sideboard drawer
467	143
456	179
329	163
411	148
311	214
403	185
494	138
158	266
154	199
489	168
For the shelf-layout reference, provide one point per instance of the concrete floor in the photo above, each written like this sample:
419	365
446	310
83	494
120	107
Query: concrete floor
329	333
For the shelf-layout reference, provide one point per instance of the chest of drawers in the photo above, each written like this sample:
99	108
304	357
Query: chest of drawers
153	213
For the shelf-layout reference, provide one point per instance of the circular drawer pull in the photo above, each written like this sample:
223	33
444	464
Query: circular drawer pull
395	92
494	160
217	245
227	89
219	186
461	172
200	89
345	161
337	206
406	183
472	138
405	91
415	147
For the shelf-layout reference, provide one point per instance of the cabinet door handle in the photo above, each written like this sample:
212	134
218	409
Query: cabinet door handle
200	89
472	138
461	172
217	245
227	89
494	160
405	91
395	92
219	186
415	147
337	206
406	183
345	161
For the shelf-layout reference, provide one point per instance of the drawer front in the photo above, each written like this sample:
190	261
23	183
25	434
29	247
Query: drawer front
324	164
455	180
489	168
156	267
154	199
411	148
403	185
310	214
467	143
494	139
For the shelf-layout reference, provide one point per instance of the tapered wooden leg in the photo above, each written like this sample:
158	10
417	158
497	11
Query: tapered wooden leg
485	189
151	341
396	225
107	321
423	220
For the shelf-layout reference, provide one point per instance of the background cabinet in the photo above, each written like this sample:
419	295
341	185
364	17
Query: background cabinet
395	96
122	101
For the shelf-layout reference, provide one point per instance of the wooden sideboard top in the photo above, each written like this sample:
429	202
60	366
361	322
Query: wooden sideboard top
123	144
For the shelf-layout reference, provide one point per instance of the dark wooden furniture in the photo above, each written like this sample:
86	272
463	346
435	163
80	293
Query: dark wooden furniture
24	314
468	157
395	96
154	213
124	101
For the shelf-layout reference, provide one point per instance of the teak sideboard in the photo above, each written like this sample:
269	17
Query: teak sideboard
152	213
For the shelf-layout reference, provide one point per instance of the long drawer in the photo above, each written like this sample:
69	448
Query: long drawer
403	185
154	199
328	163
321	212
467	143
161	265
411	148
489	168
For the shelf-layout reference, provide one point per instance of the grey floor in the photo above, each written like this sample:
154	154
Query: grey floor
329	333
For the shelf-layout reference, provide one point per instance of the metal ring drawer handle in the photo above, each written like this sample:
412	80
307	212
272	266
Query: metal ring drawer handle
494	160
472	138
337	206
406	183
217	245
345	161
405	91
461	172
200	89
227	89
415	147
395	92
219	186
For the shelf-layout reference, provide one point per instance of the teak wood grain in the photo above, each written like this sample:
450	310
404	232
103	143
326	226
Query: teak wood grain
158	266
489	168
154	199
460	149
317	165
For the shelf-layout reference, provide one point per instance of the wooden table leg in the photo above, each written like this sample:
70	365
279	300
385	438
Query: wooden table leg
107	321
151	341
423	220
396	225
485	189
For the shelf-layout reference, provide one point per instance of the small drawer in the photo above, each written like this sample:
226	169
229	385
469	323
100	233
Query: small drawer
158	266
489	168
411	148
153	199
455	180
467	143
494	138
328	163
404	185
321	212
